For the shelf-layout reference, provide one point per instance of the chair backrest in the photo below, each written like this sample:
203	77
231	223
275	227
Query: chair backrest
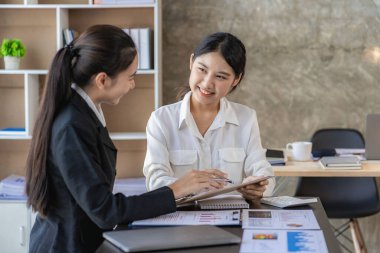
342	197
331	138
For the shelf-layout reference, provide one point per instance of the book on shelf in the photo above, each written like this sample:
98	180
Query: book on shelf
12	131
146	45
339	162
69	35
287	201
143	39
224	202
135	35
119	2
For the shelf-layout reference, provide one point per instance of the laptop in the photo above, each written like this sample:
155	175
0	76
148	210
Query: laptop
147	239
372	137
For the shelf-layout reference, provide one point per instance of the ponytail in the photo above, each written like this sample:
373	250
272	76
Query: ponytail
57	92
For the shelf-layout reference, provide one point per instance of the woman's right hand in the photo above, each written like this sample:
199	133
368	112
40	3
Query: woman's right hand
196	181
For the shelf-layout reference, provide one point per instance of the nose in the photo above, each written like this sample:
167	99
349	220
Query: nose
207	80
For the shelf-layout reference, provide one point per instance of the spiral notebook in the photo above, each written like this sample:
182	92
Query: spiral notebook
224	202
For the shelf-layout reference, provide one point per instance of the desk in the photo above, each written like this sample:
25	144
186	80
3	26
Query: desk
313	169
332	243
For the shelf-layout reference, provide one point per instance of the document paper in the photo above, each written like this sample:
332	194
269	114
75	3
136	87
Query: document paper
279	219
230	217
283	241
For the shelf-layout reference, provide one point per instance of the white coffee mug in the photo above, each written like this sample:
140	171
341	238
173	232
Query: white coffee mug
300	150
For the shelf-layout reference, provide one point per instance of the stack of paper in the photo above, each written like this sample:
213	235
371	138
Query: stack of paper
130	186
12	187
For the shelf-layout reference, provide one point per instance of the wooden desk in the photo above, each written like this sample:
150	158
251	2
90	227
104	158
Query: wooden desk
331	242
313	169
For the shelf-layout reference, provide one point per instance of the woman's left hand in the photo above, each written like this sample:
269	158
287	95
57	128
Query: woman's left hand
253	191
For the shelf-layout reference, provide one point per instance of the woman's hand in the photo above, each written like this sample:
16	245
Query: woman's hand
196	181
253	191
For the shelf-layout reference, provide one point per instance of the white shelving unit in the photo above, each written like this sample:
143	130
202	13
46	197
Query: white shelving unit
39	26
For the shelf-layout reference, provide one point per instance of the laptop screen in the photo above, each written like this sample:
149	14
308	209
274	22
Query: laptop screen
372	137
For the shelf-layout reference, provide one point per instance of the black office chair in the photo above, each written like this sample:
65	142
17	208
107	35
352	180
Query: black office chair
342	197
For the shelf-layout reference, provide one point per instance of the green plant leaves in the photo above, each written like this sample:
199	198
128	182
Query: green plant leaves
12	47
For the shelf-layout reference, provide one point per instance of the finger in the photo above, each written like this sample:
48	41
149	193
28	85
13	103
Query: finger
253	192
256	187
216	173
265	182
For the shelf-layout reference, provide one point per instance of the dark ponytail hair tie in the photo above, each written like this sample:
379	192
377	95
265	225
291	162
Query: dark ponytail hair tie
71	49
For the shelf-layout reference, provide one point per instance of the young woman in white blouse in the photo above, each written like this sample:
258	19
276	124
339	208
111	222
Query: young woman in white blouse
204	130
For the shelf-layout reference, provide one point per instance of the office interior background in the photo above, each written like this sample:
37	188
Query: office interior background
310	65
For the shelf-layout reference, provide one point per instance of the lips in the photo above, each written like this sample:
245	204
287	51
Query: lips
205	92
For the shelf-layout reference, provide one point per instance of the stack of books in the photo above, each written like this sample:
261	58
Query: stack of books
12	187
339	162
275	157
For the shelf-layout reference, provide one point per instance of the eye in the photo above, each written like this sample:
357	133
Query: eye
221	77
203	70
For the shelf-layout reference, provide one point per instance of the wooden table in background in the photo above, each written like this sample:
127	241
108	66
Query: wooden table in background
314	169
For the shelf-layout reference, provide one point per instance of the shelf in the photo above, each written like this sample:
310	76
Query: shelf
24	71
128	136
40	28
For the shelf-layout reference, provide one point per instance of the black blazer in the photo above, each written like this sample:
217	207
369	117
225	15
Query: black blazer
81	172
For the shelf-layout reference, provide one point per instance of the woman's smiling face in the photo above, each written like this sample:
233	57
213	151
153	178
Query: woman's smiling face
211	78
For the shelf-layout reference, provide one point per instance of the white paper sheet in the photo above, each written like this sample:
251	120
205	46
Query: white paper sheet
283	241
227	217
279	219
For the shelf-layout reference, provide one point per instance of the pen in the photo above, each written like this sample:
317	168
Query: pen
222	180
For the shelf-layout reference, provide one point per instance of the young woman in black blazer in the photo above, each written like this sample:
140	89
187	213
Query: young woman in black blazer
71	162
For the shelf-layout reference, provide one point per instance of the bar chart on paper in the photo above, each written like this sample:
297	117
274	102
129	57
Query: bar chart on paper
225	217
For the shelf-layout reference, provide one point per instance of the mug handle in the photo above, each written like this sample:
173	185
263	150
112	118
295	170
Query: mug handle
289	146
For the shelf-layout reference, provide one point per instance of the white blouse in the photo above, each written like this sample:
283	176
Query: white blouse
232	144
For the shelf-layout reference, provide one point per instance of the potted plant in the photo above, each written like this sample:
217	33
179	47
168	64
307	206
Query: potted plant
12	50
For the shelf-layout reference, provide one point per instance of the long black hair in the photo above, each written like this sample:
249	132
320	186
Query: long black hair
101	48
229	46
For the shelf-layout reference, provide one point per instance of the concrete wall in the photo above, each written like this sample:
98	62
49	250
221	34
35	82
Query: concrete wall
310	63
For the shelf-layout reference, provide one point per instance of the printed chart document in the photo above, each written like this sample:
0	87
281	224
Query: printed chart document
283	241
279	219
219	218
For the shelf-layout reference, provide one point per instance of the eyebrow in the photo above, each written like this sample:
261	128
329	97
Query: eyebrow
219	72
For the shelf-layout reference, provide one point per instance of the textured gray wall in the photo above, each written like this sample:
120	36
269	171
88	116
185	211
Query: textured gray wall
310	64
305	59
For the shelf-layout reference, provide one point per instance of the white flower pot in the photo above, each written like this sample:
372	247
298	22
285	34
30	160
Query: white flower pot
12	62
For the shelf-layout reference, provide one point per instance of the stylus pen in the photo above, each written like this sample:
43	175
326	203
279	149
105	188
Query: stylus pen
222	180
